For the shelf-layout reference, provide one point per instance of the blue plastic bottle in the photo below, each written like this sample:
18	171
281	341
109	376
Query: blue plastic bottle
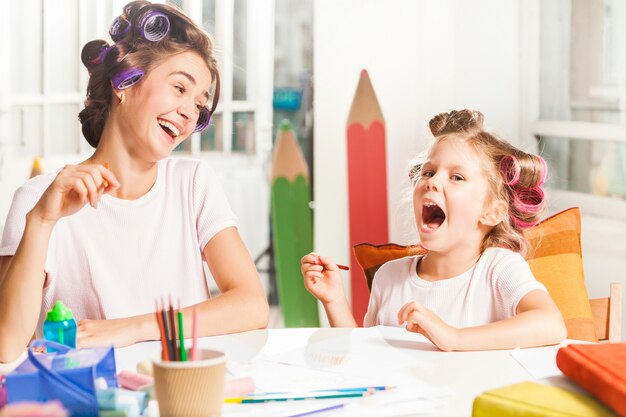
60	325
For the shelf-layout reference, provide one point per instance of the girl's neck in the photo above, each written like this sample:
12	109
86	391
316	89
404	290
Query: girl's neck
436	266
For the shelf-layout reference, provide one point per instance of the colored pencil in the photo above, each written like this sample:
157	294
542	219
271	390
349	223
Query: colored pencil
105	183
317	410
310	396
159	319
181	335
173	337
166	330
367	184
292	228
194	335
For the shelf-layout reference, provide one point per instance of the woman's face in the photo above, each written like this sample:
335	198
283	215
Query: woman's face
162	110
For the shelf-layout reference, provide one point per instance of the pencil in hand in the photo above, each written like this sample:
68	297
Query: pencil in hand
340	266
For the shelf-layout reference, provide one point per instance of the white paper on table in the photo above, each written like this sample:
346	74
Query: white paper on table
359	352
540	362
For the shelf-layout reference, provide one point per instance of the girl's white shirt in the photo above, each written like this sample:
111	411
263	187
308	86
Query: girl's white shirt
115	260
489	291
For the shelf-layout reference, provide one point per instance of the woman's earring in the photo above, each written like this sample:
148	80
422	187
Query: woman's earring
122	98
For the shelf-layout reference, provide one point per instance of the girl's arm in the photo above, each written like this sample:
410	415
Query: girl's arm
242	304
538	322
323	281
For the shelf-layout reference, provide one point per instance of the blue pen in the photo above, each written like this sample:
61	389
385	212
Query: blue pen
355	389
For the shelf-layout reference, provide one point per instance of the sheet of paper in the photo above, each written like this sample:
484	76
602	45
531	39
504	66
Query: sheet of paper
540	362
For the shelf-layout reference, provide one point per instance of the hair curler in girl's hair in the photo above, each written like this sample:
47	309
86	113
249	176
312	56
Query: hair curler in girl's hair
154	25
119	28
510	169
544	170
529	200
203	120
127	78
521	223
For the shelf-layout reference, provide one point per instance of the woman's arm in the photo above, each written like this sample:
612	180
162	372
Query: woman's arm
538	322
22	276
21	282
242	304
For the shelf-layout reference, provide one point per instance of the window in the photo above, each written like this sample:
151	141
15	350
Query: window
582	102
239	42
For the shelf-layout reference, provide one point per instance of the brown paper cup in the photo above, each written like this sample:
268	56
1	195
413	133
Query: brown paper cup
193	388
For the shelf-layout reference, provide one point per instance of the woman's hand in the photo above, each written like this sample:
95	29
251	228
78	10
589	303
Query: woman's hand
322	278
118	332
73	187
421	320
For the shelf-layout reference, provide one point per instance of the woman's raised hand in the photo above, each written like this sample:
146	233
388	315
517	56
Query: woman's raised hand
73	187
322	278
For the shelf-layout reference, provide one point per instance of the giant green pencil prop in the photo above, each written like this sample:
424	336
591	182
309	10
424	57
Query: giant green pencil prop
292	228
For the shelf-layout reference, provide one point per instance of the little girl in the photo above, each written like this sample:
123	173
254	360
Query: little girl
473	195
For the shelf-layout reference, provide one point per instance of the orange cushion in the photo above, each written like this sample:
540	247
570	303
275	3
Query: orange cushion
554	256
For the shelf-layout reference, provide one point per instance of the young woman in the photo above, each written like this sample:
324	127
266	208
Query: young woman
127	226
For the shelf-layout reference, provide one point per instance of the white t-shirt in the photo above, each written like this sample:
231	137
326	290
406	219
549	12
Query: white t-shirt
488	292
116	260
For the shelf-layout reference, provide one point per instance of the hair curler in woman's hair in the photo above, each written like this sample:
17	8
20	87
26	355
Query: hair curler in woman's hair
154	25
93	53
127	78
510	169
119	28
203	120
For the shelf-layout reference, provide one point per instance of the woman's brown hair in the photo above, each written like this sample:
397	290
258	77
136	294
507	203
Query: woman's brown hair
133	50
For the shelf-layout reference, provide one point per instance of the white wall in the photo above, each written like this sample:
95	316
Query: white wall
423	58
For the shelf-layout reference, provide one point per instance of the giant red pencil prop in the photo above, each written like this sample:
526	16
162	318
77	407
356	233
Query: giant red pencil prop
367	183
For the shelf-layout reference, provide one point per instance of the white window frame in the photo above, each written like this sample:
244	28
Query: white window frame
532	127
259	82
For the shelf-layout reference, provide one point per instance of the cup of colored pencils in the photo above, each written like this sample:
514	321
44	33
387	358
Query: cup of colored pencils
187	383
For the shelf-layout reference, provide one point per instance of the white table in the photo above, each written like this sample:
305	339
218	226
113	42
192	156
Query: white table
322	358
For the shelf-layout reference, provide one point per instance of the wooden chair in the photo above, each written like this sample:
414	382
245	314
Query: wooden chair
607	315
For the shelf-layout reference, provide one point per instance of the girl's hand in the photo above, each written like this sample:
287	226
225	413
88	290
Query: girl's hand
73	187
421	320
322	278
93	333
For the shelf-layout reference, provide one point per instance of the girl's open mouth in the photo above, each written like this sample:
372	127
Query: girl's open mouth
432	215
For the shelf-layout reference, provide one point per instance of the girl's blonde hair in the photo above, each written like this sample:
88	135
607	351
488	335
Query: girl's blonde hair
514	176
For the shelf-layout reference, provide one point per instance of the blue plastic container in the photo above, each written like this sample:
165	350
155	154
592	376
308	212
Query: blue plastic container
60	325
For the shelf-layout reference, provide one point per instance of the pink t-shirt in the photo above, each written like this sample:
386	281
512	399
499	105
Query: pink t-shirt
488	292
116	260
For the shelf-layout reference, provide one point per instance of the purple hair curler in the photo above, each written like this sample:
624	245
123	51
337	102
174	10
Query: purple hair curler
100	58
154	25
127	78
119	28
203	120
510	169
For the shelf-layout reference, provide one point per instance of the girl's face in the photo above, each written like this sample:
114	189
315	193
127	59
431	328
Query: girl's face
450	198
162	110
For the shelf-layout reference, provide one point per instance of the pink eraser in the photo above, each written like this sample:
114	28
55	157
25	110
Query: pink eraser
238	387
133	381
